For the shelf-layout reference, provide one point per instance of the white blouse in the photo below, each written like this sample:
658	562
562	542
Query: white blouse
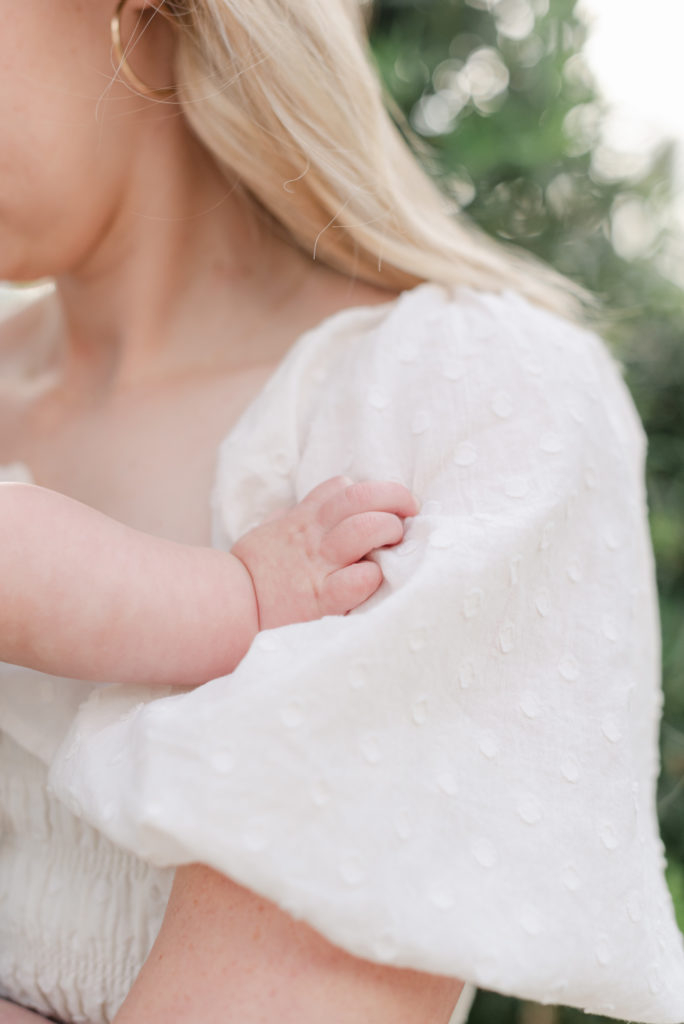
459	776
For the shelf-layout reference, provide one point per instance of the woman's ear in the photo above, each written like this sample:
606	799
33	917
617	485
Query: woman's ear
143	45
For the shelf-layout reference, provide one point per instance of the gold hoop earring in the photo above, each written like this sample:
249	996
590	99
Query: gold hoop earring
122	64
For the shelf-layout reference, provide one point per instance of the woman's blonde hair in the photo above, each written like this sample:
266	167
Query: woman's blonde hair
285	97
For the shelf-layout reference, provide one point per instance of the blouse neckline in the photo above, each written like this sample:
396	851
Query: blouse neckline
18	471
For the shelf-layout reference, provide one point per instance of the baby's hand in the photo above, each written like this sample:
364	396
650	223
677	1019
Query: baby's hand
309	562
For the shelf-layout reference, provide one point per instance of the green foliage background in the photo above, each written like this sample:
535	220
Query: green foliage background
501	93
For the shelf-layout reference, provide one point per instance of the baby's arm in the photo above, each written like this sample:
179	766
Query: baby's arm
82	595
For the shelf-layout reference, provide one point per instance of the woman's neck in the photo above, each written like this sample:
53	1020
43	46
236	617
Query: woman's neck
183	275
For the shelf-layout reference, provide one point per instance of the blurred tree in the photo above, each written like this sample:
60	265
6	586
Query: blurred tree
510	122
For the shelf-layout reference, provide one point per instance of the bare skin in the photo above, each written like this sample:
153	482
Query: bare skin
12	1014
173	307
84	596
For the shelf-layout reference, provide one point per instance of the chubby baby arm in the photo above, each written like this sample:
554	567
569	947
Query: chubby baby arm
82	595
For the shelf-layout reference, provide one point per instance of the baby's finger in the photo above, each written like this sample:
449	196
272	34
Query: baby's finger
356	535
349	587
367	496
327	489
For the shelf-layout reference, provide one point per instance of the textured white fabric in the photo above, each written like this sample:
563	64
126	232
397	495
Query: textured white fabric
78	915
460	775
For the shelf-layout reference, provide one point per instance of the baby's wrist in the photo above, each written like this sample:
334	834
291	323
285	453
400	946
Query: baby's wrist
238	555
224	608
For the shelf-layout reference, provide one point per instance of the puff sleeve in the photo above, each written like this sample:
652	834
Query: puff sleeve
459	776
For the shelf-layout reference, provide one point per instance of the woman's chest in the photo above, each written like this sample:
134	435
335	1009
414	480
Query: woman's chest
147	460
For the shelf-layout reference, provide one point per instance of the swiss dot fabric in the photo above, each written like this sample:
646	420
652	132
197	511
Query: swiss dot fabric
459	776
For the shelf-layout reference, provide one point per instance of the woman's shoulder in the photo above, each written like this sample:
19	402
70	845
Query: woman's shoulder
492	355
454	329
441	387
